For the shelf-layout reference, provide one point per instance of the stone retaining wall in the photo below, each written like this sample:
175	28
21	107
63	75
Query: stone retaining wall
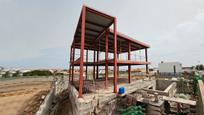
102	100
45	106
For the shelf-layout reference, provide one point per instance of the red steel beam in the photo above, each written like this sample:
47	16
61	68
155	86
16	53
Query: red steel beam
125	37
106	81
82	52
129	66
115	57
146	59
100	35
103	32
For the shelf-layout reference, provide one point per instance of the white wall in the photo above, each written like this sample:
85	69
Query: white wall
168	67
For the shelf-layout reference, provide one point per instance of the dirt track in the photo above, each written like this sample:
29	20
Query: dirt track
22	96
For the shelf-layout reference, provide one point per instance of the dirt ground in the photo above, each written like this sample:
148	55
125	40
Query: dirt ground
23	96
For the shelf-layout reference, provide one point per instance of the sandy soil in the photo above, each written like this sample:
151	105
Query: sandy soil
22	96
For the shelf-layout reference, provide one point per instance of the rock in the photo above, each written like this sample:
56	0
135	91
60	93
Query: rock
43	97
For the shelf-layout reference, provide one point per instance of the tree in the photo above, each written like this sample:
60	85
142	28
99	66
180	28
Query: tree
200	67
17	74
6	75
38	73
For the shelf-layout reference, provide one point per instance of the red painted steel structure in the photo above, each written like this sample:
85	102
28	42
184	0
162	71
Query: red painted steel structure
115	58
94	71
129	58
106	79
97	65
82	51
146	59
86	65
70	64
93	33
73	56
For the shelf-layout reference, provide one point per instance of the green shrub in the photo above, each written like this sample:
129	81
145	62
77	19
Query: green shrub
38	73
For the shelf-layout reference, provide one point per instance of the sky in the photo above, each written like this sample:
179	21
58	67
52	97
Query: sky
38	33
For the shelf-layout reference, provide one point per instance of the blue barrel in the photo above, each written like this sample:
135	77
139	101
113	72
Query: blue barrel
121	90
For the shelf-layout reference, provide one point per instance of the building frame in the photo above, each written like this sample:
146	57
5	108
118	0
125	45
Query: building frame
94	33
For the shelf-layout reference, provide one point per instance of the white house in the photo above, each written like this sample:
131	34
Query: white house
170	67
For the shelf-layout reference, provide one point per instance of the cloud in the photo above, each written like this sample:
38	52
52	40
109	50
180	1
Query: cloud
184	43
28	27
6	1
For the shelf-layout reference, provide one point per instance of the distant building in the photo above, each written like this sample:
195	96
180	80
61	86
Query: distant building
171	68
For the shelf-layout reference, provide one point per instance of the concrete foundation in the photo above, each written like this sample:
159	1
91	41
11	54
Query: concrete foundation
103	99
163	84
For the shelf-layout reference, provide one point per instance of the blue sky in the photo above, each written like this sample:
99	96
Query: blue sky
38	33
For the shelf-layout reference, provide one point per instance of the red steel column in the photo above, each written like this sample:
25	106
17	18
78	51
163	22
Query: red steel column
70	62
146	59
86	64
115	57
97	65
94	71
73	56
106	81
118	68
82	52
118	57
129	66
